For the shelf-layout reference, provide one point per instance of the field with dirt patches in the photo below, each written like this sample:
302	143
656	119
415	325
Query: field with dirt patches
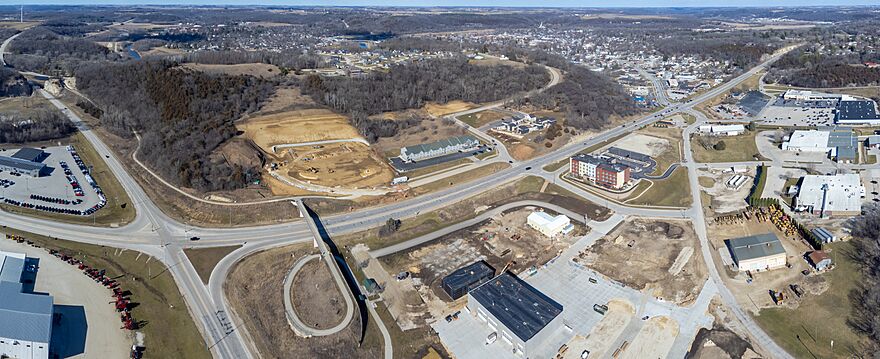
659	257
313	287
296	127
254	292
254	69
348	164
427	131
438	110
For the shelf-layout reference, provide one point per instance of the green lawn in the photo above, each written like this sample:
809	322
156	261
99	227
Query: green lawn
673	191
737	149
818	319
169	331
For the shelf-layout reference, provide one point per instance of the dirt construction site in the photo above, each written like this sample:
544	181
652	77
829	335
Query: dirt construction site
661	258
504	239
254	293
752	289
348	164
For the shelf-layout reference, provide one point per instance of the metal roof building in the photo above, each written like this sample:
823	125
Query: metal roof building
30	154
757	253
465	279
439	148
830	195
851	110
522	316
25	318
23	166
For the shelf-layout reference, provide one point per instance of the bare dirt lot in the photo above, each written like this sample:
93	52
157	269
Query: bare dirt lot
603	336
723	198
659	257
315	296
644	144
253	289
437	110
296	126
654	339
755	295
348	164
254	69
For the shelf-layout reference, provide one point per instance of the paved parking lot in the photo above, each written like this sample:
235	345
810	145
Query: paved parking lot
796	116
54	185
569	284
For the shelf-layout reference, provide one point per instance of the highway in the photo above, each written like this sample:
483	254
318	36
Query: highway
164	238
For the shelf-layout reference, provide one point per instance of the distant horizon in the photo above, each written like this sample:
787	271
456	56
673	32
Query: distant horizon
523	4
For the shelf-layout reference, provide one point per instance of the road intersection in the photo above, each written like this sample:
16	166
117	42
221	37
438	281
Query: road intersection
156	234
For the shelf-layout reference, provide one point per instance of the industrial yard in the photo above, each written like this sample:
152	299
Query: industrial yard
661	258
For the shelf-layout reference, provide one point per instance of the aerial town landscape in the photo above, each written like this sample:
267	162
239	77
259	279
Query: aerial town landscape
402	181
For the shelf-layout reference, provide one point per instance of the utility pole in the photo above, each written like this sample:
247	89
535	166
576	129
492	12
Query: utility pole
21	14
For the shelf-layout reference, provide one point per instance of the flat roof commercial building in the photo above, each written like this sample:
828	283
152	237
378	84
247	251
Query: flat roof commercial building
465	279
835	195
25	318
521	316
839	144
439	148
757	253
854	111
548	225
723	130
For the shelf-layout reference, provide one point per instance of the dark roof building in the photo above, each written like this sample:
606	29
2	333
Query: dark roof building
465	279
753	102
519	307
757	252
30	154
31	168
856	111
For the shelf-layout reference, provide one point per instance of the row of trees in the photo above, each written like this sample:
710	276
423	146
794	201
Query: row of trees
865	318
286	59
415	84
40	125
182	117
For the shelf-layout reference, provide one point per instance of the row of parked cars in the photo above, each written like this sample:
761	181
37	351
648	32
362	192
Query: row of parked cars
5	183
41	207
63	201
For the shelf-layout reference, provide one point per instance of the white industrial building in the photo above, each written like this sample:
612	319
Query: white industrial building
808	141
837	195
25	317
723	130
548	225
839	144
757	253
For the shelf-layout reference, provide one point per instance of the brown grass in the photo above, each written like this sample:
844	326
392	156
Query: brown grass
255	69
438	110
205	259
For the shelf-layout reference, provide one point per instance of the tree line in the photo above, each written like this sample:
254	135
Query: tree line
812	69
865	298
182	117
40	125
414	84
286	59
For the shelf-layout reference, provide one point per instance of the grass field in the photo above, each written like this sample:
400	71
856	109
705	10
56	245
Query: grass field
437	168
460	178
737	149
438	110
112	214
706	181
252	69
169	331
673	191
205	259
481	118
807	332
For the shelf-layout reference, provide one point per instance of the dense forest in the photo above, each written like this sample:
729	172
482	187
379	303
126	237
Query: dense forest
43	51
865	318
810	69
415	84
41	125
13	84
588	99
181	116
741	51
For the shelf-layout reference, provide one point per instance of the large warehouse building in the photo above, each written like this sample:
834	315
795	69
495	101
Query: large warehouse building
465	279
25	317
839	144
522	317
757	253
837	195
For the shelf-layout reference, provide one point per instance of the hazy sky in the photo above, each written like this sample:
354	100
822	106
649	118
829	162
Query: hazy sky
518	3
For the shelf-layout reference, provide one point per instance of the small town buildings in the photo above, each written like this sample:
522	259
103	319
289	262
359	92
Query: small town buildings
757	253
548	225
439	148
819	260
521	125
723	130
465	279
599	170
25	317
832	195
522	317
